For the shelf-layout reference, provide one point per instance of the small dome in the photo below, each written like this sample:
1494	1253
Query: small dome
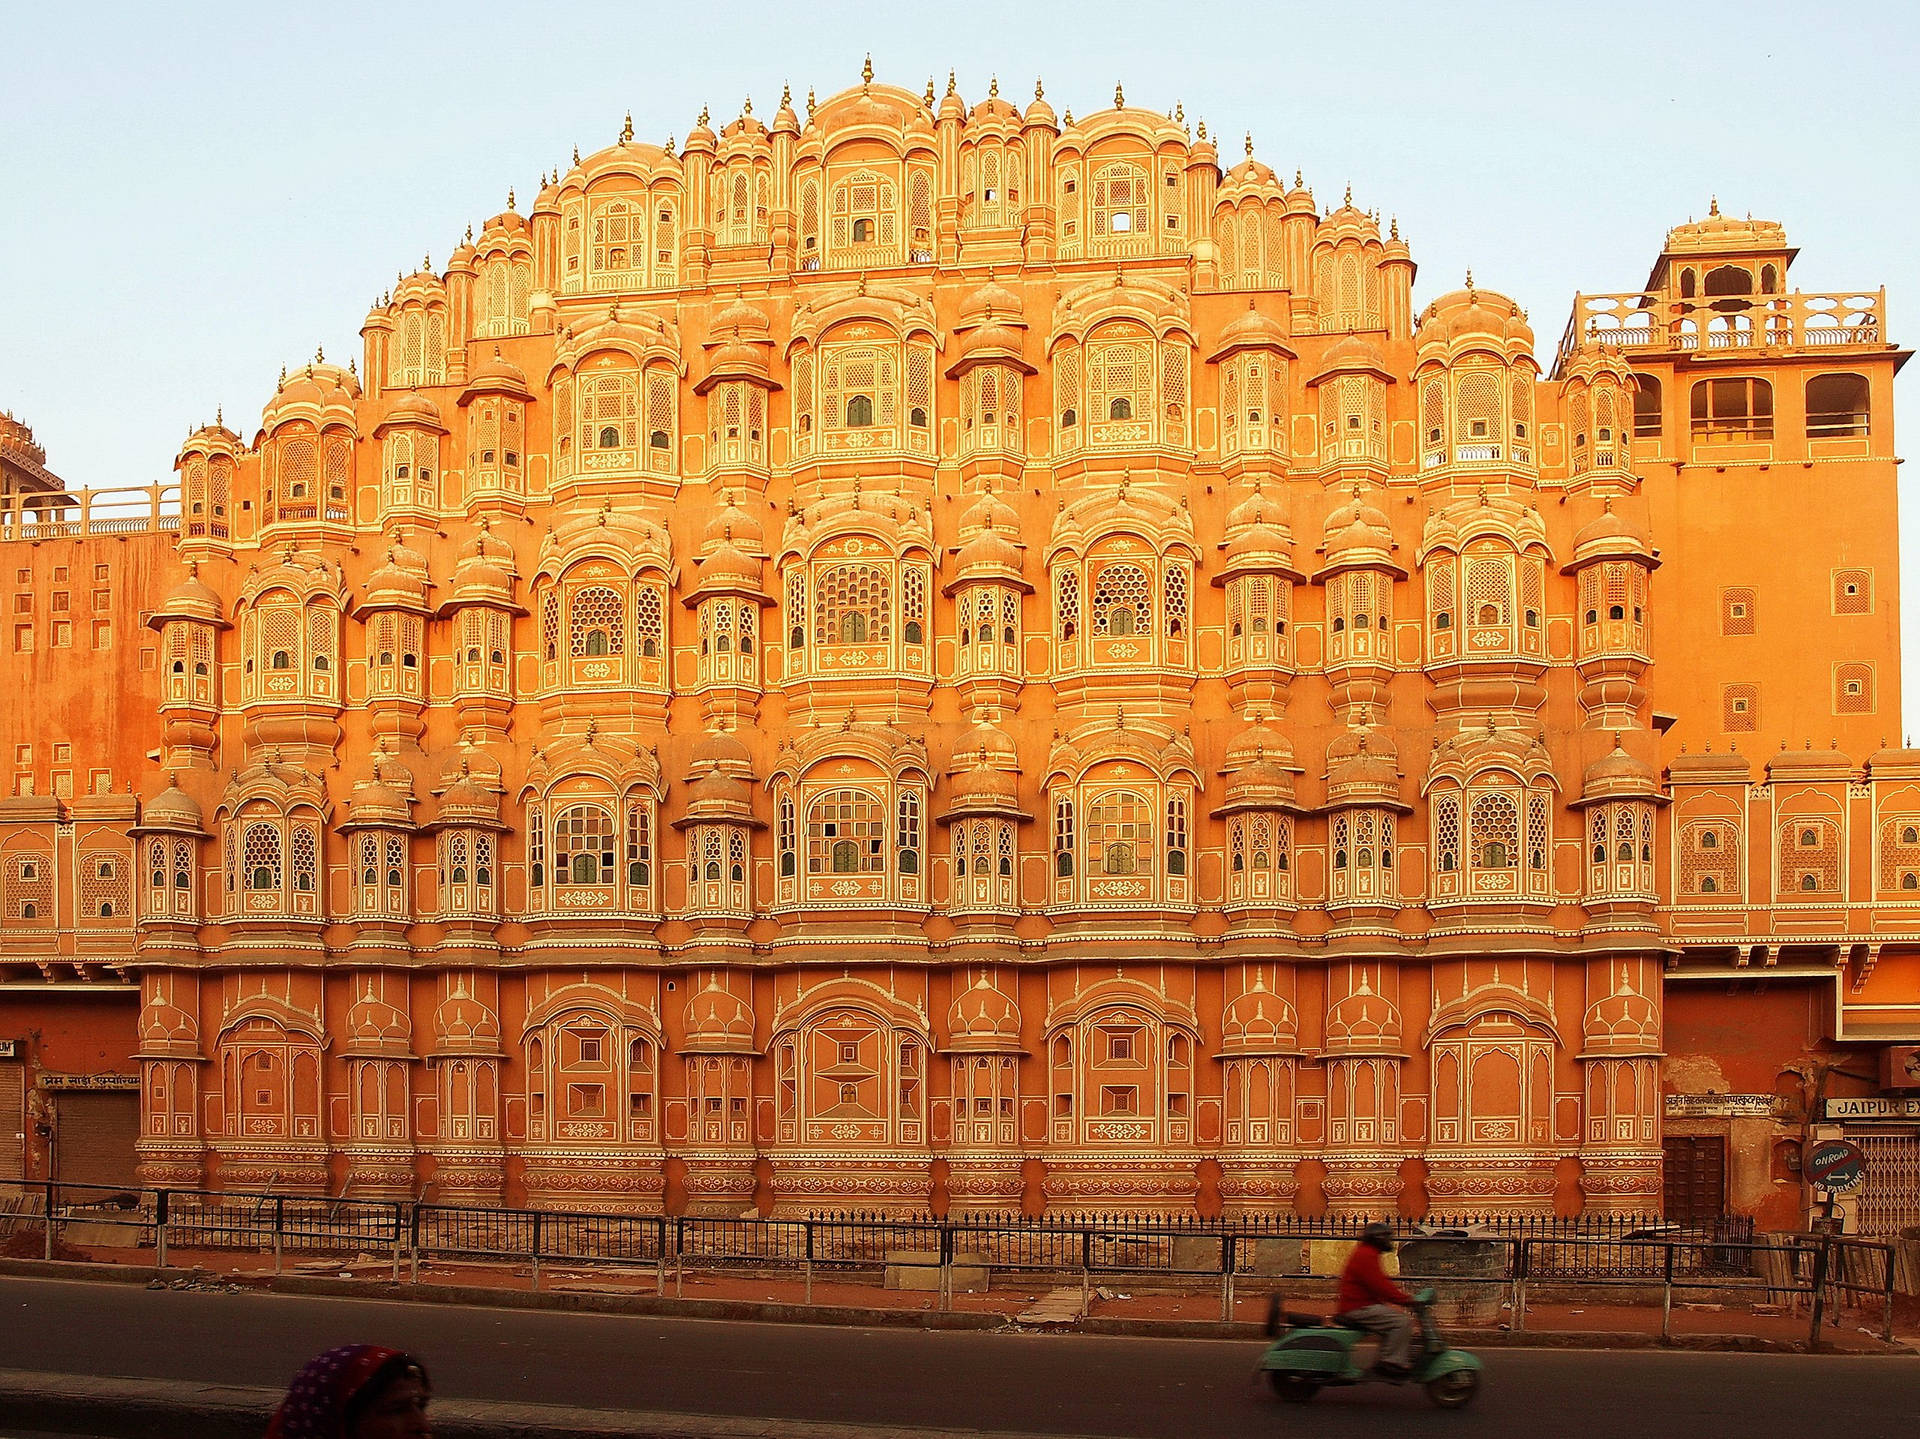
1349	354
982	1019
1039	112
1623	1022
399	582
463	1024
1363	768
1358	532
719	795
1460	314
727	567
990	300
496	375
412	408
721	749
1618	775
318	393
191	599
162	1023
469	801
1363	1022
984	777
1252	330
484	571
1610	534
993	108
719	1022
1258	1021
173	810
374	1024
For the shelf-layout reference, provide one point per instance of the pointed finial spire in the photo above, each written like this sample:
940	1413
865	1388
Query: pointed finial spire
928	98
866	71
1039	90
426	263
319	355
509	206
809	102
1469	281
1066	116
1395	229
470	223
705	116
746	107
1713	206
993	88
786	96
1119	96
1348	200
626	130
1203	130
576	154
219	417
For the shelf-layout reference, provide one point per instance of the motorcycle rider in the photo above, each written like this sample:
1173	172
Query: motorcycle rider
1373	1302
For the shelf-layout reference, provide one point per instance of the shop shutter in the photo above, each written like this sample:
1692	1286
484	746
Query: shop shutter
94	1134
13	1120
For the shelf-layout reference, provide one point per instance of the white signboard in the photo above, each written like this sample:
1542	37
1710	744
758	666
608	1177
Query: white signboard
1873	1109
1721	1106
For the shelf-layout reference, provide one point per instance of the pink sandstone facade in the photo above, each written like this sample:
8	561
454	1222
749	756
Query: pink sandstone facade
928	654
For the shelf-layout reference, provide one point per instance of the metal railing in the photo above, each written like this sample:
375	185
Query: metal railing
1513	1255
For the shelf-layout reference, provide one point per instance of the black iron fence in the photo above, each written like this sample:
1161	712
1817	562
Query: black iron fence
1506	1259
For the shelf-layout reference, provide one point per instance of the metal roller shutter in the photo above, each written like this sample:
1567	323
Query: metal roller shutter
13	1120
94	1136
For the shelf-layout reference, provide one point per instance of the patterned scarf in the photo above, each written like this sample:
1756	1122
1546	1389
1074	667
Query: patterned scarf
317	1400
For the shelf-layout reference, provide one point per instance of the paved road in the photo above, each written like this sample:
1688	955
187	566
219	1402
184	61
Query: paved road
1044	1384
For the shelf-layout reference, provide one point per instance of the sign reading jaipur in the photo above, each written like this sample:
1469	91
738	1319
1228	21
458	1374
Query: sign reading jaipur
1836	1165
1873	1109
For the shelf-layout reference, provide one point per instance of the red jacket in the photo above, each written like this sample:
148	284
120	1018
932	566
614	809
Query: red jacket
1364	1282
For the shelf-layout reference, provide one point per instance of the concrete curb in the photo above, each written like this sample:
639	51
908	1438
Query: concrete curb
849	1316
180	1409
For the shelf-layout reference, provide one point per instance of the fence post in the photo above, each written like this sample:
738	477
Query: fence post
1666	1296
807	1225
536	1249
945	1251
1522	1266
279	1222
1820	1261
679	1255
1226	1278
1891	1253
1086	1270
160	1230
49	1224
413	1242
399	1236
660	1256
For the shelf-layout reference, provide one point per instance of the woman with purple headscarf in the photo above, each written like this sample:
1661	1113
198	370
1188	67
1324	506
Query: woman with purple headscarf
358	1391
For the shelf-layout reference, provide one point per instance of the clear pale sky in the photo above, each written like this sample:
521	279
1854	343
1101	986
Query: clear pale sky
196	194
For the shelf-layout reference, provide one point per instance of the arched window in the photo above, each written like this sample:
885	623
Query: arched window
1063	837
1837	407
1122	601
1494	822
583	845
846	833
597	622
907	839
1732	410
1120	832
853	606
263	861
1120	193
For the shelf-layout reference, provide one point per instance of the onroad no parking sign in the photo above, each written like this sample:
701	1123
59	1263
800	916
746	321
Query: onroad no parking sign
1836	1165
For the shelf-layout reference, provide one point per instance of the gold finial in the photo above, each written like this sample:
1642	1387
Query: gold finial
1039	90
746	107
1713	206
1203	130
809	102
219	417
626	130
576	154
1119	97
952	83
509	205
319	355
1395	233
669	146
704	117
1349	196
470	223
993	88
866	72
1179	112
928	98
786	96
1469	282
1249	144
426	263
1066	116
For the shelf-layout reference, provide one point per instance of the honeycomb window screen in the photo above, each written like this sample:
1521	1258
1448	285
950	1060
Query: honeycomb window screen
1900	855
1119	201
1740	708
1494	830
1122	601
1709	859
1739	605
1853	689
610	412
846	833
1229	254
1120	834
1853	592
1477	411
1809	857
853	605
1066	386
597	623
1120	376
1067	604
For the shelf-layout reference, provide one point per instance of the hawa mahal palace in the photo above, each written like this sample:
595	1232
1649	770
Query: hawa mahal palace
914	653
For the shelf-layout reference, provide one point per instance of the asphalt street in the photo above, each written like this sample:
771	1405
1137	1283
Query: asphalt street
1031	1383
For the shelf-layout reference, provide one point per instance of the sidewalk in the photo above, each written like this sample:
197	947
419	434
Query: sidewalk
1116	1305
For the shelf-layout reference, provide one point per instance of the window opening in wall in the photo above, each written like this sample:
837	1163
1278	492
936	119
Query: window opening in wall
1646	407
1836	407
1732	410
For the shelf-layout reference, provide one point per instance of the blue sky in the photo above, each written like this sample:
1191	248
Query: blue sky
197	194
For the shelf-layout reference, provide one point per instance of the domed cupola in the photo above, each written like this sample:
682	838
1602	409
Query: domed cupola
206	465
984	814
983	1019
1613	563
718	822
1254	355
718	1022
1258	1022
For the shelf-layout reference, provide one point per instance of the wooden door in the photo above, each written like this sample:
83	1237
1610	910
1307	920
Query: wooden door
1696	1177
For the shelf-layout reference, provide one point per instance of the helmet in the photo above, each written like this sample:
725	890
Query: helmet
1379	1234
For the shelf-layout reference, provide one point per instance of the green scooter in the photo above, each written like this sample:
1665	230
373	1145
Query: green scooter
1309	1353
